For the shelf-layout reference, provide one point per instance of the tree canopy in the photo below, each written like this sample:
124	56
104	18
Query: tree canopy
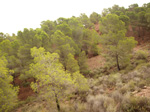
51	77
8	94
117	45
56	55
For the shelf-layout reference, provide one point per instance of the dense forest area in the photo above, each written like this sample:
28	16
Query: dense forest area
53	61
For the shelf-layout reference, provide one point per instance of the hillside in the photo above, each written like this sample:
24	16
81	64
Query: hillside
99	63
143	44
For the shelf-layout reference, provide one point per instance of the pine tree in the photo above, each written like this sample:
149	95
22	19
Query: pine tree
113	39
8	94
52	80
82	61
72	64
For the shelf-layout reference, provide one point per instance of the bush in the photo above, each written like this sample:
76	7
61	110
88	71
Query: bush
129	68
124	89
131	85
95	50
26	84
135	104
112	80
145	71
139	63
131	75
143	55
100	103
117	96
141	84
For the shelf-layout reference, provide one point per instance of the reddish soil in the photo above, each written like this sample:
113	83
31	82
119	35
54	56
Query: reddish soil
24	92
141	34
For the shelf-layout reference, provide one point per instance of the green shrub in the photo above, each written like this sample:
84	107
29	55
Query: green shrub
95	50
26	84
131	85
112	80
124	89
141	84
140	63
129	68
137	104
140	54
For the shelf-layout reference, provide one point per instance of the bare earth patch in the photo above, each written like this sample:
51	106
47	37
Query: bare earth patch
143	93
24	92
96	62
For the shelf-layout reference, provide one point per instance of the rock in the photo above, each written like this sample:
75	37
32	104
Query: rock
144	87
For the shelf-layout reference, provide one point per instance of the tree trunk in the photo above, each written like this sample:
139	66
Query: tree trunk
14	80
117	62
34	80
57	102
139	34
